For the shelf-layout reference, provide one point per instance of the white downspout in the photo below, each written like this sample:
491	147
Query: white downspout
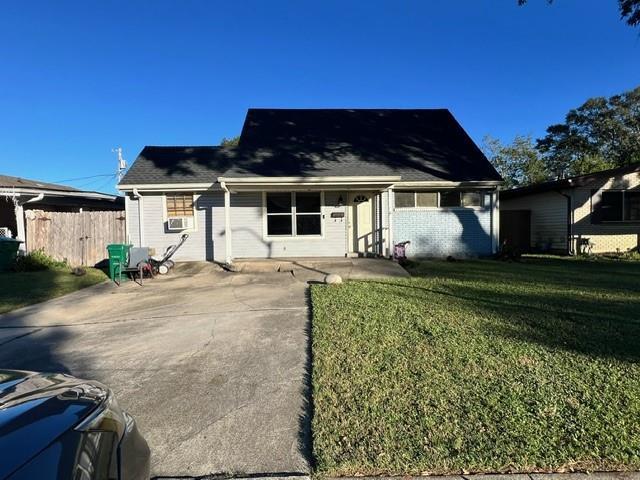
18	210
390	206
228	258
36	199
137	195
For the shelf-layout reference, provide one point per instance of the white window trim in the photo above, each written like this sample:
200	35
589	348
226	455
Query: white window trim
440	208
165	214
293	236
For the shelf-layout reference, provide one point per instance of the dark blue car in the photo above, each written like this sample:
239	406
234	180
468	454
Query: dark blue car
55	426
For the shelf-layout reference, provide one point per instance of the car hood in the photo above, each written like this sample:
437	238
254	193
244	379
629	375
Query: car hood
36	408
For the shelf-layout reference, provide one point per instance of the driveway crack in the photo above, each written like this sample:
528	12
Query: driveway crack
20	336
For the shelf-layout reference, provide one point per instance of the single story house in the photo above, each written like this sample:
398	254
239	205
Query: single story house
319	183
598	213
18	195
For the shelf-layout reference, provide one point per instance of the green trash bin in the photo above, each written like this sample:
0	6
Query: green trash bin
118	258
8	252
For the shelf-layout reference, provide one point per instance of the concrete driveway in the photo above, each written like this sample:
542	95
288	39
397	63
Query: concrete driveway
212	365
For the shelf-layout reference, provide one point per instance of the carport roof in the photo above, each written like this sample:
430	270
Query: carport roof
414	144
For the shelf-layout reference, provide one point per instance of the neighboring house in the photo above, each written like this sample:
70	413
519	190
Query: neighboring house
325	183
19	195
599	212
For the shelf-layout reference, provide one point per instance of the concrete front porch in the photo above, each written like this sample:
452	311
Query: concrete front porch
316	268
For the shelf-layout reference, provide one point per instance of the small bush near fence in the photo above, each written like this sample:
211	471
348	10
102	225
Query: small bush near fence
36	261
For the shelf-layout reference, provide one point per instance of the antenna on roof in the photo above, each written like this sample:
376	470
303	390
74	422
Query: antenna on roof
122	163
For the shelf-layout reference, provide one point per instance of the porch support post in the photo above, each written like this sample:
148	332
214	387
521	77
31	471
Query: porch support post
228	258
495	221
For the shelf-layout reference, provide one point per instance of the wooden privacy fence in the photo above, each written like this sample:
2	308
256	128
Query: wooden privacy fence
79	238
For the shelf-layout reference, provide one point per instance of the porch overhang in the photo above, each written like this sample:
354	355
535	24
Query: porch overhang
252	184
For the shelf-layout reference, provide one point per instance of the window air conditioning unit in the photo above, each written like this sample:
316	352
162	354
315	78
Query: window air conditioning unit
175	224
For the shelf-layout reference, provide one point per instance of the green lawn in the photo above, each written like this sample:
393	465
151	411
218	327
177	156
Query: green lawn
21	289
479	366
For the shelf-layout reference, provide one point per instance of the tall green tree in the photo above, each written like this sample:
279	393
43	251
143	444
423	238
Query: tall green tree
519	162
230	142
602	133
629	10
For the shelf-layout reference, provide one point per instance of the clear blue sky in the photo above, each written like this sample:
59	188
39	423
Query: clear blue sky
78	78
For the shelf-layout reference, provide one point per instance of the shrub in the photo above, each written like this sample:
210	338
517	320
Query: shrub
36	261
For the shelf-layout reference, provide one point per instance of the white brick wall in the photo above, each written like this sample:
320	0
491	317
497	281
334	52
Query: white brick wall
442	232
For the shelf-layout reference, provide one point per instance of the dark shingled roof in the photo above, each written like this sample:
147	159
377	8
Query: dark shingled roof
422	144
7	181
177	165
569	182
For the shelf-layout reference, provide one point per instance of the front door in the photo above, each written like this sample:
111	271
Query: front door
361	222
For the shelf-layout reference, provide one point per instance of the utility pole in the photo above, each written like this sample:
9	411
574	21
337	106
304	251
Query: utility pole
122	163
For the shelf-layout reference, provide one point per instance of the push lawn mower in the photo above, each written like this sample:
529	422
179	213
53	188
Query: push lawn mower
165	264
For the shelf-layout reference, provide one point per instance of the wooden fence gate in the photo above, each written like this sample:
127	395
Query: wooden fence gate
79	238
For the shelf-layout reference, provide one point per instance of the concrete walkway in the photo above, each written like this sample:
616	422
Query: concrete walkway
315	269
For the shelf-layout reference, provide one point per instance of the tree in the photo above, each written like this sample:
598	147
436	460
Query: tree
602	133
629	10
230	142
519	162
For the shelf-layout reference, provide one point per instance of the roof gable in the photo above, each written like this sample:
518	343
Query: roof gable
415	144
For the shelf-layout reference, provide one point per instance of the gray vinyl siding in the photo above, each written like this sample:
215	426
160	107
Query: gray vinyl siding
441	232
199	245
248	240
548	219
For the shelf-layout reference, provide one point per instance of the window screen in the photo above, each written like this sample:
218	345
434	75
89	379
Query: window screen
427	199
180	205
405	199
471	199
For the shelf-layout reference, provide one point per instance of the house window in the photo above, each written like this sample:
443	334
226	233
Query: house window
307	212
450	199
294	214
405	199
632	206
180	205
617	206
426	199
471	199
446	199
